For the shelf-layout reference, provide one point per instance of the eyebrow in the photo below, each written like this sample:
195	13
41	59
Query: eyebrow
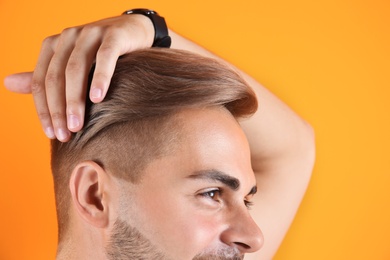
218	176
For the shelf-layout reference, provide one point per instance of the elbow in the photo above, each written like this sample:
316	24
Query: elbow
308	148
311	143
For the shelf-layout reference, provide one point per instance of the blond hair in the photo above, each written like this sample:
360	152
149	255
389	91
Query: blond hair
134	124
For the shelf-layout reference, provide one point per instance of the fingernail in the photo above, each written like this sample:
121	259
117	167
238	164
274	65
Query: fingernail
96	93
62	134
50	132
73	122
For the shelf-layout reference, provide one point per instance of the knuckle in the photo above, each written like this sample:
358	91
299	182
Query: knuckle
90	29
43	116
52	78
68	35
115	33
37	87
108	48
115	30
73	105
105	50
49	40
57	116
69	31
100	76
73	66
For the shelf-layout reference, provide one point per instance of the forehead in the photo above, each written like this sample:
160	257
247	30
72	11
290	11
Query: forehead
211	138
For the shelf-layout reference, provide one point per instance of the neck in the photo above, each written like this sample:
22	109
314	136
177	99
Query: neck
82	243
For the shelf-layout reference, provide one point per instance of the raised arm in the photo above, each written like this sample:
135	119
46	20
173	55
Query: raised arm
282	150
282	144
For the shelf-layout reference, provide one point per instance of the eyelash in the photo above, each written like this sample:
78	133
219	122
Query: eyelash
218	192
206	194
248	204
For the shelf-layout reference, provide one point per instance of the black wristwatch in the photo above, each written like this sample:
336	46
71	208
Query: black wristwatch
161	36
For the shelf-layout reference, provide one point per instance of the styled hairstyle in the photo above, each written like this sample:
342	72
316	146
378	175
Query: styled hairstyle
135	123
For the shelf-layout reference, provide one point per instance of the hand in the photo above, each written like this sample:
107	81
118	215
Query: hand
59	81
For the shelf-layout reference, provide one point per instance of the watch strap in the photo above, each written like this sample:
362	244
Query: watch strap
161	36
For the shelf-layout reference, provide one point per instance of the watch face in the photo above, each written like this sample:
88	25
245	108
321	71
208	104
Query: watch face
141	11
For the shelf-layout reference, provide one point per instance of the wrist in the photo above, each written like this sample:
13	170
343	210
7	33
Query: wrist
161	35
144	24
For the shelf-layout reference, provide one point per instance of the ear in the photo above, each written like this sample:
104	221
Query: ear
88	187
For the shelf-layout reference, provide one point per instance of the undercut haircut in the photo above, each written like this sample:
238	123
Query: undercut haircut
136	123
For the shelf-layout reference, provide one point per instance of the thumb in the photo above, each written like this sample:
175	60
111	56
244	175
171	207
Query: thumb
19	82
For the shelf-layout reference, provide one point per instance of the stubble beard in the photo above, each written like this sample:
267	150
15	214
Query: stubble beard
225	253
127	242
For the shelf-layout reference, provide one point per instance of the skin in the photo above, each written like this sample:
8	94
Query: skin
200	212
190	204
282	149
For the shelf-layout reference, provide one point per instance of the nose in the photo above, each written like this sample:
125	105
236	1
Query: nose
243	233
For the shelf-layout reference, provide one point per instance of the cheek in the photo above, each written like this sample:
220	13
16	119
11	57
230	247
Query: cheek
205	230
178	226
193	233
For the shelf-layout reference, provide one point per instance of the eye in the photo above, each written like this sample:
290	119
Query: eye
214	194
248	204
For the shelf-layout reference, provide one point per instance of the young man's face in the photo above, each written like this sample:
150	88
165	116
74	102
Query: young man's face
193	204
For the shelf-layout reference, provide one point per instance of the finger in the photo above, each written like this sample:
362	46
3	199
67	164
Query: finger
55	83
77	72
106	59
38	85
135	32
19	82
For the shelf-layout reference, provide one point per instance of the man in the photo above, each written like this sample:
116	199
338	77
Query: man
281	156
161	169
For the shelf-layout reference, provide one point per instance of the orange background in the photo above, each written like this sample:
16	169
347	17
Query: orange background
329	60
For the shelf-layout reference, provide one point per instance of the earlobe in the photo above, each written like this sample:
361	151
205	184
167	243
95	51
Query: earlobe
87	187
